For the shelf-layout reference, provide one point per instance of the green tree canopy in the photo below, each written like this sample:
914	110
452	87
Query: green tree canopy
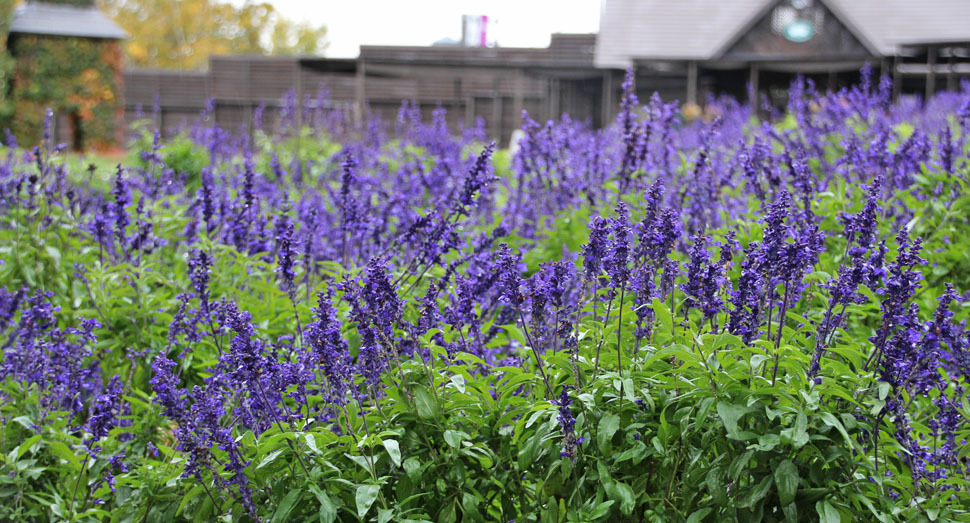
182	34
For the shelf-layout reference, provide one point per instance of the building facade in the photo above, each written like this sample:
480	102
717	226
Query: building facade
686	50
67	58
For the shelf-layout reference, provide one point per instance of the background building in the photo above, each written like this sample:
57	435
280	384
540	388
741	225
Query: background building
66	57
686	50
690	48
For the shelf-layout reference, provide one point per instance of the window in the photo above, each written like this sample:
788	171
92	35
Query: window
797	20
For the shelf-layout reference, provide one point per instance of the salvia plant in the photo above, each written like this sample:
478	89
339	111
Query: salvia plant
722	319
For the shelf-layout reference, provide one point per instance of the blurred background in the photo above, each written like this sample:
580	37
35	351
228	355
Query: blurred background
101	65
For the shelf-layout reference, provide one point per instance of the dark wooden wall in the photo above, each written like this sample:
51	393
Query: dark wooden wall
495	84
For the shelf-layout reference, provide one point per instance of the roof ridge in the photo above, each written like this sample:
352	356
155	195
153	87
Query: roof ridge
45	18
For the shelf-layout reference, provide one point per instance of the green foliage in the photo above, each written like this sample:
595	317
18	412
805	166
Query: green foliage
7	63
183	35
690	428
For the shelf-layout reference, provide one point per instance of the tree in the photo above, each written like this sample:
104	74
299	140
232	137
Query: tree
7	63
183	33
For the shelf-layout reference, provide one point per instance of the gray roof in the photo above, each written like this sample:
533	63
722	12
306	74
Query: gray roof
889	24
64	20
702	29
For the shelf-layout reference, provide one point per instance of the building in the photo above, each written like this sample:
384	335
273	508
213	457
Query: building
746	48
684	49
66	58
495	83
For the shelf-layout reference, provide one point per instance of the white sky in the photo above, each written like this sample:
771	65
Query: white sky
518	23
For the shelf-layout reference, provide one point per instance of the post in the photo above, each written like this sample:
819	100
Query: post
951	83
931	71
897	79
360	88
555	113
469	110
497	110
518	96
753	75
607	109
457	101
299	94
692	82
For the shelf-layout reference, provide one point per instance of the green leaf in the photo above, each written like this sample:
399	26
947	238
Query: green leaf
829	419
413	467
459	382
426	403
285	507
827	513
311	442
269	458
715	486
448	514
608	426
601	510
453	438
756	493
529	453
27	444
786	481
328	511
698	515
664	318
393	450
366	494
801	430
730	414
791	512
883	390
622	492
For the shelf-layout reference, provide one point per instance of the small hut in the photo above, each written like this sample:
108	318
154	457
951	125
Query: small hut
67	57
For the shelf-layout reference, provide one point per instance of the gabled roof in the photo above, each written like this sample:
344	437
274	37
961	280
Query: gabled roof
64	20
678	29
702	29
889	24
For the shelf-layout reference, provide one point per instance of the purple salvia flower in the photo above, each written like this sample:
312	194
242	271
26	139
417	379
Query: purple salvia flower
199	267
510	277
595	251
329	350
567	423
477	179
900	284
122	199
946	150
104	413
744	319
9	303
285	255
100	228
619	253
165	384
206	199
380	298
627	120
349	214
181	324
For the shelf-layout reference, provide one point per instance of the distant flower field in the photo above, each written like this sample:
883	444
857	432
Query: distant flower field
728	318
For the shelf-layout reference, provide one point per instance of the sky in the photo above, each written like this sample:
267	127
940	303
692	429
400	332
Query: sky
513	23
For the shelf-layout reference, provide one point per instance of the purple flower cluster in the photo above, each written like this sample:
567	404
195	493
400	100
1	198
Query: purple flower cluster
567	423
59	362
